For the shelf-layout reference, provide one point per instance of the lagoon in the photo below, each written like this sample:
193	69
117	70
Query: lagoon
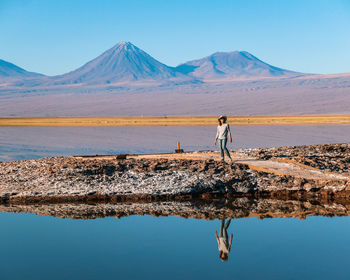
145	247
18	143
141	246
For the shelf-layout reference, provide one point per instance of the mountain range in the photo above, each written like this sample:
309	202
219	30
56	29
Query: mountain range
125	63
231	65
125	80
11	71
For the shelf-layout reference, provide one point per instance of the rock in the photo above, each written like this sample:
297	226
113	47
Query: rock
171	177
307	186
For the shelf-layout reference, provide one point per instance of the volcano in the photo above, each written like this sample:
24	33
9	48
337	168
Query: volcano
231	65
123	63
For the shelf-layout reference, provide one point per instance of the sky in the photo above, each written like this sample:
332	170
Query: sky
57	36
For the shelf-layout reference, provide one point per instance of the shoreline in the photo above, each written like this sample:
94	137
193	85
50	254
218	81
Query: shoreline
256	120
301	172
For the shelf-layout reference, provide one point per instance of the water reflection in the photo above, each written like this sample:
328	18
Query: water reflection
149	242
224	245
237	208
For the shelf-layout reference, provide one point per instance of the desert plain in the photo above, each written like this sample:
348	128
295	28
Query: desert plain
175	120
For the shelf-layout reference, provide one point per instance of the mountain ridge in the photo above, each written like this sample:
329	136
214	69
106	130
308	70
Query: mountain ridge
9	70
234	64
125	63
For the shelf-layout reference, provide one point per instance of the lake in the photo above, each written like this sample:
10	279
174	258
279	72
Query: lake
172	247
146	247
17	143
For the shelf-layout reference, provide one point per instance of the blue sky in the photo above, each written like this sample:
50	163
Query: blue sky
57	36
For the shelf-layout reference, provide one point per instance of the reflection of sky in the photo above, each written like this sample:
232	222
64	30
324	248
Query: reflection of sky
54	37
35	142
144	247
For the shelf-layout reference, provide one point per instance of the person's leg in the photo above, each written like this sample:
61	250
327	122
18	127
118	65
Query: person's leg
222	148
225	229
226	150
222	227
227	224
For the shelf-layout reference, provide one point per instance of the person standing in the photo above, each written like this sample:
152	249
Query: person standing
223	131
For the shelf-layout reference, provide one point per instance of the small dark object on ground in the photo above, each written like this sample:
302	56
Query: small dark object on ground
121	156
179	150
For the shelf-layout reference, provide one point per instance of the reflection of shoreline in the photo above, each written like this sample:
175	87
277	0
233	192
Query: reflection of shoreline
216	209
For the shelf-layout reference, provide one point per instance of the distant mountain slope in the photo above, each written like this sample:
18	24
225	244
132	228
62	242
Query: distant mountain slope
225	65
122	63
10	71
318	94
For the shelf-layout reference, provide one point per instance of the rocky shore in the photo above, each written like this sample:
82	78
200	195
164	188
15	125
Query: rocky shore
109	179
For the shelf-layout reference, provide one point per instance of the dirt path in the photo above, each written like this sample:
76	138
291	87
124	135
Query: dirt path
287	168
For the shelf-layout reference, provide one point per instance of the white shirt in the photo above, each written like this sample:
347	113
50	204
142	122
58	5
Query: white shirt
223	246
222	131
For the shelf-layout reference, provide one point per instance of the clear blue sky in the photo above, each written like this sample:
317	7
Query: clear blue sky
57	36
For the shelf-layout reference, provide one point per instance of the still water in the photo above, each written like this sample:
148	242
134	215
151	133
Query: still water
17	143
146	247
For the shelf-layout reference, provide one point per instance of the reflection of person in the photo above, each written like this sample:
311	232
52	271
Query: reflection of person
224	245
223	130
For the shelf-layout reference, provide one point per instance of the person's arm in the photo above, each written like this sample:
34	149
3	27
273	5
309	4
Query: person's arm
217	237
229	132
229	246
216	137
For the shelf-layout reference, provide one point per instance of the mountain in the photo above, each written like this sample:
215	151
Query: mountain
231	65
127	64
122	63
11	71
125	80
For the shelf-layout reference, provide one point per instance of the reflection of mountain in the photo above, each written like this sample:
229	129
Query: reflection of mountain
236	208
